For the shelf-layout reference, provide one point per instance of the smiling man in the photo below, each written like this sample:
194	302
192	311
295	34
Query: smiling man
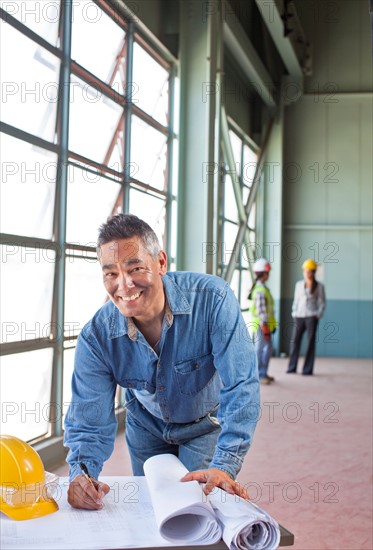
178	343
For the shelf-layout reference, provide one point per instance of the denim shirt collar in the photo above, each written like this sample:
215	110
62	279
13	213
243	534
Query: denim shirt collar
176	304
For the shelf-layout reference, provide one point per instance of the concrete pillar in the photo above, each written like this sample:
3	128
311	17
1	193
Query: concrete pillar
272	213
200	54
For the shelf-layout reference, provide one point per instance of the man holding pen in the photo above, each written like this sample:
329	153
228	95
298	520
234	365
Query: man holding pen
179	345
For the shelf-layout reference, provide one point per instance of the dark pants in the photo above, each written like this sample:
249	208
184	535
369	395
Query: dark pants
303	324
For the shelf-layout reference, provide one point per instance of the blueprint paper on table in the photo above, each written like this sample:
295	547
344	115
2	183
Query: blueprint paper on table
151	511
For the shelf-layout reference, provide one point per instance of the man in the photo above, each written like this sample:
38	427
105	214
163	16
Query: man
178	343
263	323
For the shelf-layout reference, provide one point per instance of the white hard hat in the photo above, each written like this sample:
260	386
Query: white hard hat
261	265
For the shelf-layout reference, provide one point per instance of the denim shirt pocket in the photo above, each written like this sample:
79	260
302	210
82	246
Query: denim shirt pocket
194	374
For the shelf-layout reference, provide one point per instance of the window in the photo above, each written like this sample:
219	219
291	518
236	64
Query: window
59	186
245	161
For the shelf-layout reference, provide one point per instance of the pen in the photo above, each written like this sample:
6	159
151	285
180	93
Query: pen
86	473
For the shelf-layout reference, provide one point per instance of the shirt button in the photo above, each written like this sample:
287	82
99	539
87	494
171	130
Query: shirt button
158	364
161	388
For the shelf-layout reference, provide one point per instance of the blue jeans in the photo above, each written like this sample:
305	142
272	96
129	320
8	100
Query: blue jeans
147	435
263	350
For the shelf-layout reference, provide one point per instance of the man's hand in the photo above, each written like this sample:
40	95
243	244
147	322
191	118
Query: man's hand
81	494
213	477
266	332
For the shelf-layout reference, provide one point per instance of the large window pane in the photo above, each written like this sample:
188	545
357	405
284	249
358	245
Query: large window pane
252	217
148	153
96	40
250	162
25	391
150	85
94	119
26	292
152	210
30	89
230	205
90	201
40	16
28	178
230	233
84	293
236	145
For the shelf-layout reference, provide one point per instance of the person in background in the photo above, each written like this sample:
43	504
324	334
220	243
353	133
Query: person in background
263	323
308	307
179	345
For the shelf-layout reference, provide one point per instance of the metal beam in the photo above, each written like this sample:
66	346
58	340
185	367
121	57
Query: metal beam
253	70
275	25
328	227
131	17
58	316
198	131
170	157
250	201
229	157
127	119
332	97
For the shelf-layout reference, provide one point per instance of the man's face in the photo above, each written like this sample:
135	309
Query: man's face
132	278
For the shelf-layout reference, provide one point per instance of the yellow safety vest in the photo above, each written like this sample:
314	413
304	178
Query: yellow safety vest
255	321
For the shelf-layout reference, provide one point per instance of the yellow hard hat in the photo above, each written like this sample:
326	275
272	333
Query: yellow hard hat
309	264
24	490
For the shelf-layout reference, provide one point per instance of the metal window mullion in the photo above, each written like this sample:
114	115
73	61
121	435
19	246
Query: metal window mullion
23	346
27	242
95	82
111	12
15	132
61	209
240	254
127	119
170	158
127	135
146	188
95	172
121	9
250	201
101	168
145	117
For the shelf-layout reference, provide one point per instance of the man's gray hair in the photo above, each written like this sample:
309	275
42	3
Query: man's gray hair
127	226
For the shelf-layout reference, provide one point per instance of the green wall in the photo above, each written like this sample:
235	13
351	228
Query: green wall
327	207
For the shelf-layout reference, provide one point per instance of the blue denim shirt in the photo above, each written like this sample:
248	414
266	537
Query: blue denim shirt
206	358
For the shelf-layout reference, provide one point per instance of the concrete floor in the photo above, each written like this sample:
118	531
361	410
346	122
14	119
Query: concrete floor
310	465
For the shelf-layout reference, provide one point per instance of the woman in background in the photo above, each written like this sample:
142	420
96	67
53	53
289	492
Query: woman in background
308	307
